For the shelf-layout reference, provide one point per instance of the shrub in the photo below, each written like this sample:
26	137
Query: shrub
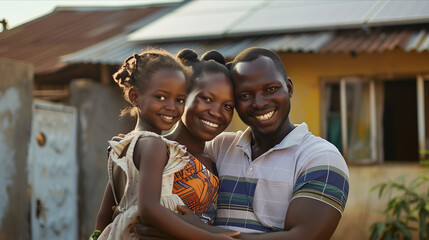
407	210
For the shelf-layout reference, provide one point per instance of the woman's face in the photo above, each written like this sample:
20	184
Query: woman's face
209	106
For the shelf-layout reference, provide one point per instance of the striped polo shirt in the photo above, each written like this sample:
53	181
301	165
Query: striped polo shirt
254	195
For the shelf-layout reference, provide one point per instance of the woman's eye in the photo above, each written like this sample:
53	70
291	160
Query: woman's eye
229	107
207	99
180	100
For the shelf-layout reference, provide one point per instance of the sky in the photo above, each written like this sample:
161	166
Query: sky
17	12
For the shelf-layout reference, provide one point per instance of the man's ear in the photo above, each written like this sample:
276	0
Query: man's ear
289	85
133	95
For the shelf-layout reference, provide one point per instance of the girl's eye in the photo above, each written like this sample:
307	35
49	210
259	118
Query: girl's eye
180	100
161	98
228	107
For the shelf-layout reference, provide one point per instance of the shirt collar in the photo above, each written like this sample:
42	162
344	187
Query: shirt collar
293	138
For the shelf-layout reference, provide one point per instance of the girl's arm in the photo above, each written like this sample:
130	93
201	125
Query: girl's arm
105	213
151	153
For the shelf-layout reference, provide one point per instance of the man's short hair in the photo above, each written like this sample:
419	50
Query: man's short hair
253	53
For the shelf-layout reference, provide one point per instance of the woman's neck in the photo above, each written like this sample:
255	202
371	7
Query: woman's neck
182	135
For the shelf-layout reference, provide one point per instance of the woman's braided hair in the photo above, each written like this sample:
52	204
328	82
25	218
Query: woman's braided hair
138	69
211	62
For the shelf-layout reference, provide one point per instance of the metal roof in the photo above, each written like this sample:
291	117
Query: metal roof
70	29
379	40
205	19
407	38
116	50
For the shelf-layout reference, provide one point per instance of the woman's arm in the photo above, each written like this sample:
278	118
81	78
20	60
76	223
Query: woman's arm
152	155
105	213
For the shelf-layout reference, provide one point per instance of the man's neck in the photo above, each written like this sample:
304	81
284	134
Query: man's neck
261	142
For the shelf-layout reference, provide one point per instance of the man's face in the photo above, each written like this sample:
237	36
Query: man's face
262	96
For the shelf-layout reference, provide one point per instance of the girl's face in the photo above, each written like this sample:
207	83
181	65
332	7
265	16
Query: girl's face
209	106
161	103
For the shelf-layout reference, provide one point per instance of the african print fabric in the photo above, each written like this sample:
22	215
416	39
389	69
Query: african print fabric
198	189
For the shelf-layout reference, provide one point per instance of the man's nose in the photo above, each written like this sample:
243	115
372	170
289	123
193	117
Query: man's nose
260	100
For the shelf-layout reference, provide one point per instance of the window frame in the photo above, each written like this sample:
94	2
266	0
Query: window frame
376	141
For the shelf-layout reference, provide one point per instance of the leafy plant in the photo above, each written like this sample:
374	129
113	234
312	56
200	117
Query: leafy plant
407	210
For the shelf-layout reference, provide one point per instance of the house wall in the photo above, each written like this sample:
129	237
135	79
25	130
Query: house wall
16	87
306	71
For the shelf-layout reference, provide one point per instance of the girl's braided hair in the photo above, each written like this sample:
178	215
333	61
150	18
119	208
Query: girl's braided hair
138	69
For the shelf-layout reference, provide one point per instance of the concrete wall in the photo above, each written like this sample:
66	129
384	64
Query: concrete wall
98	121
16	88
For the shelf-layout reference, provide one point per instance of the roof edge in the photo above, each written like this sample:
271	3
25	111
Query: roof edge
113	8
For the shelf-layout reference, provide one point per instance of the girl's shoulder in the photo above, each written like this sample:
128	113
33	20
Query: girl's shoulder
175	150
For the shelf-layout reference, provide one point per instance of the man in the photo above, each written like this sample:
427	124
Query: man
275	177
277	180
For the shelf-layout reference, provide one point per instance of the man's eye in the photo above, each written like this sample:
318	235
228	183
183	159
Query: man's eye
271	89
244	96
162	98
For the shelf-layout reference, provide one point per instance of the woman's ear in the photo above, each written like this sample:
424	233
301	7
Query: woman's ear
133	95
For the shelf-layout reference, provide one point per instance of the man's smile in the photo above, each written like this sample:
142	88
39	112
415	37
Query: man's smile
265	116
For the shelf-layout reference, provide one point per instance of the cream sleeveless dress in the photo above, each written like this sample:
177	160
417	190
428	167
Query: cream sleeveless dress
127	211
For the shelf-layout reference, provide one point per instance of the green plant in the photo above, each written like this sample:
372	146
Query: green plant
407	210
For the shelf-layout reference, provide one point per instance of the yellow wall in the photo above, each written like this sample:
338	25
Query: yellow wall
306	70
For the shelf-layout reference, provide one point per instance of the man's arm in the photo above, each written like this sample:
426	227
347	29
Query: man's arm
306	219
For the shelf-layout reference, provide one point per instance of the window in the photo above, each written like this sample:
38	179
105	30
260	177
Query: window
372	121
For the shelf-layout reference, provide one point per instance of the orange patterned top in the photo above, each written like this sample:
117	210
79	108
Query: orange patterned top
198	188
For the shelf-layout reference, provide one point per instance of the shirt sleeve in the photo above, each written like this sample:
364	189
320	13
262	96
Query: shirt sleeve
325	177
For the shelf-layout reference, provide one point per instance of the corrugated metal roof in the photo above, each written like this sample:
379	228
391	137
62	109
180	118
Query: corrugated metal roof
70	29
116	50
346	41
378	40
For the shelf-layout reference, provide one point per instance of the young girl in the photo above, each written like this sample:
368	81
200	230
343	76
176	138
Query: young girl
142	164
